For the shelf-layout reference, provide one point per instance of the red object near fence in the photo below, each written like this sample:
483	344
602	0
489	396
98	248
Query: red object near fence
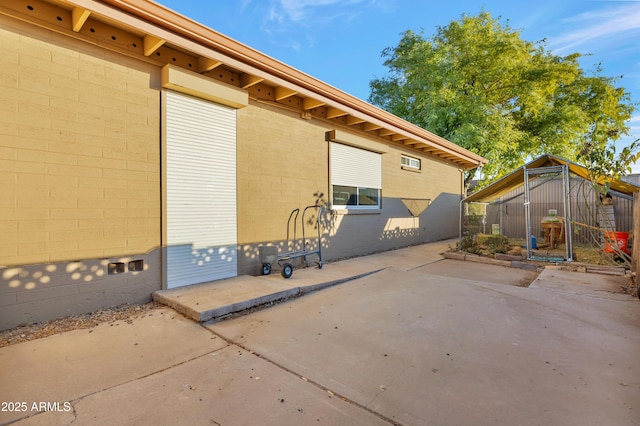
616	242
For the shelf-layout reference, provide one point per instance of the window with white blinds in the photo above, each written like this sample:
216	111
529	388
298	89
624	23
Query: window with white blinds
356	177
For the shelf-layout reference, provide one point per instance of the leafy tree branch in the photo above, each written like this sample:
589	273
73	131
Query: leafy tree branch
477	83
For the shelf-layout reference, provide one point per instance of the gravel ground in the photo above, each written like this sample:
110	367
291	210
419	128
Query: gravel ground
39	330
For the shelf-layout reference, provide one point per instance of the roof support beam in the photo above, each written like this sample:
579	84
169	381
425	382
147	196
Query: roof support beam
386	132
368	127
206	64
335	112
283	93
78	17
351	120
398	138
248	80
310	103
151	44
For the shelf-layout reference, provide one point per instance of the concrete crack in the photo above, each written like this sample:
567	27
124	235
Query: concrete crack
310	381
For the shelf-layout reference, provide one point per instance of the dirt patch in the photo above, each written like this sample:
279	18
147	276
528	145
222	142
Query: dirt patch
524	282
25	333
583	253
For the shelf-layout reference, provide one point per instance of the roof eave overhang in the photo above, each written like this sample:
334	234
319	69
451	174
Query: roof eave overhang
161	23
197	32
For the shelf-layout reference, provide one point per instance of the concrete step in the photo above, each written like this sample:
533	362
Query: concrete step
207	301
204	302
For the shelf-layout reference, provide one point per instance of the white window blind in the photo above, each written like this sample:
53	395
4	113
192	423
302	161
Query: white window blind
356	167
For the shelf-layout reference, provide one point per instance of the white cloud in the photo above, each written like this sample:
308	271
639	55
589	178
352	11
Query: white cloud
296	24
244	4
286	15
301	10
634	125
607	25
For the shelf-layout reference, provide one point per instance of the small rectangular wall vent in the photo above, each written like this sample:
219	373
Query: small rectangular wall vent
116	268
136	265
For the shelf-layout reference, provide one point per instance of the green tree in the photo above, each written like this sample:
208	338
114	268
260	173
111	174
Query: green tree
477	83
604	164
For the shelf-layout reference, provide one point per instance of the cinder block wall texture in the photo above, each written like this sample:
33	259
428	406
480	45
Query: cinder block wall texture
79	151
79	172
283	164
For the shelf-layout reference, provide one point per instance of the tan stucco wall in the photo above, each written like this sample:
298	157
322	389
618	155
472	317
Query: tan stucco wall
80	170
434	177
79	150
79	176
282	165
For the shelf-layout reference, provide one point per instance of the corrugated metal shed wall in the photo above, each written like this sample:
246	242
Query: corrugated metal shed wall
546	193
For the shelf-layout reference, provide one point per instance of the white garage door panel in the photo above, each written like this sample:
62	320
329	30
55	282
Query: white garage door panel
188	265
201	191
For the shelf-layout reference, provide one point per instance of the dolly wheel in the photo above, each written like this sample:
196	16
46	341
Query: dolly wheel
266	268
320	265
287	270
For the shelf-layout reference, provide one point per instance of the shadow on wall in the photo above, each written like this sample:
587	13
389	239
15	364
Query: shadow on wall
308	231
189	264
42	292
442	219
351	235
395	226
251	263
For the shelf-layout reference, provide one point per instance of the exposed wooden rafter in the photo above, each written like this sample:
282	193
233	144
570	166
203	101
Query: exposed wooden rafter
284	93
351	120
248	80
78	17
151	44
206	64
369	127
310	103
335	112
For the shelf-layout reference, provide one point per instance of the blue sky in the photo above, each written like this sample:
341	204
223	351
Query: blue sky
340	41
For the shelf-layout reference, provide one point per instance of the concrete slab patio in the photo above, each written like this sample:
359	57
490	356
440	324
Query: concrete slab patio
426	349
217	299
424	341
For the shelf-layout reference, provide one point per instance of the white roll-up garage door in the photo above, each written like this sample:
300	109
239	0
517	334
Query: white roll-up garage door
200	190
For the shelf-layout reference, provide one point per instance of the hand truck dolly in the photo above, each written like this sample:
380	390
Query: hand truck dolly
269	254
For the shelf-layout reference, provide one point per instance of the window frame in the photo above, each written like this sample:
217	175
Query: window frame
358	190
348	173
409	159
